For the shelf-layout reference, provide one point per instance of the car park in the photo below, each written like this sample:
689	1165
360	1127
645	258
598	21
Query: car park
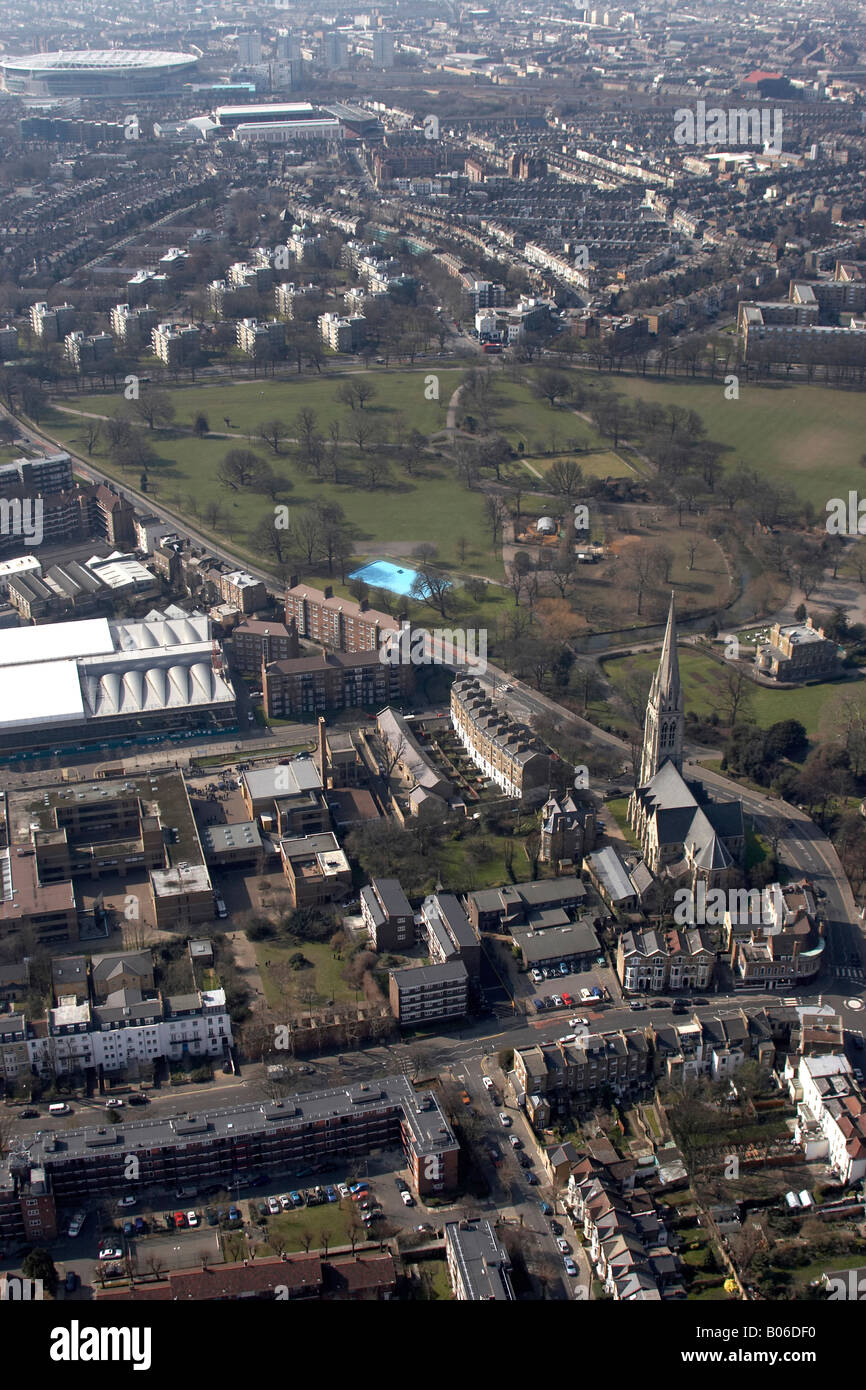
504	1120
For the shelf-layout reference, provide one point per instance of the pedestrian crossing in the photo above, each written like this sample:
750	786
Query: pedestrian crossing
850	972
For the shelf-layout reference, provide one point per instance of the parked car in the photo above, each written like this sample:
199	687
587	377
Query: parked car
127	1228
403	1186
546	1208
465	1097
557	1001
76	1224
563	968
296	1199
127	1202
341	1188
568	1001
540	1004
234	1214
28	1114
570	1266
113	1103
210	1217
408	1199
578	1022
139	1099
140	1225
487	1083
700	1000
515	1142
585	996
536	976
70	1283
524	1160
285	1201
564	1246
556	1228
359	1187
179	1219
273	1206
192	1218
111	1252
637	1005
504	1120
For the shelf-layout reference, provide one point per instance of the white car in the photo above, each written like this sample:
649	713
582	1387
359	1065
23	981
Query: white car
487	1083
570	1266
342	1189
76	1224
585	996
564	1246
126	1202
112	1103
111	1252
407	1199
284	1201
557	1001
273	1206
192	1218
504	1120
578	1023
515	1142
536	976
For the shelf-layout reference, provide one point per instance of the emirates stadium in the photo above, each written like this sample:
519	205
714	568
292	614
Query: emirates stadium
112	72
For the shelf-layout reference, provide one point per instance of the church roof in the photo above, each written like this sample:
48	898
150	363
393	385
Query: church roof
666	691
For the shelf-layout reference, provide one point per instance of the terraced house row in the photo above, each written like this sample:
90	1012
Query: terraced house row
507	752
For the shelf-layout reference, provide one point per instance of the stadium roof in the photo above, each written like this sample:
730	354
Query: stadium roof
108	59
53	641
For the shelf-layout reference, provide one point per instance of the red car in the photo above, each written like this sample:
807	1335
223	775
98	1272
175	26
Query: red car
567	1001
179	1219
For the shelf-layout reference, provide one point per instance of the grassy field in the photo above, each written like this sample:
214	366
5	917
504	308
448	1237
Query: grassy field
285	986
331	1220
808	436
603	464
388	520
700	677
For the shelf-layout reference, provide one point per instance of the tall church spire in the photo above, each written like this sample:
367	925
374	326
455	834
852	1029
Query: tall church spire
665	716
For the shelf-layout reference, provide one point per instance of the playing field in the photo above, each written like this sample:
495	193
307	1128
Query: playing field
810	437
701	677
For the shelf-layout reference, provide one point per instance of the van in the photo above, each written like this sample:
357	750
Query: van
59	1107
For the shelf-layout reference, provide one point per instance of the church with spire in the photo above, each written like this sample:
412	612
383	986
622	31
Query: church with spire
683	834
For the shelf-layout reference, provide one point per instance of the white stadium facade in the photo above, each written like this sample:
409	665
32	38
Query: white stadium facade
109	72
78	682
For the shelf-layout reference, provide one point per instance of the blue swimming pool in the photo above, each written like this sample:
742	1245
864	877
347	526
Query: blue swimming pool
383	574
